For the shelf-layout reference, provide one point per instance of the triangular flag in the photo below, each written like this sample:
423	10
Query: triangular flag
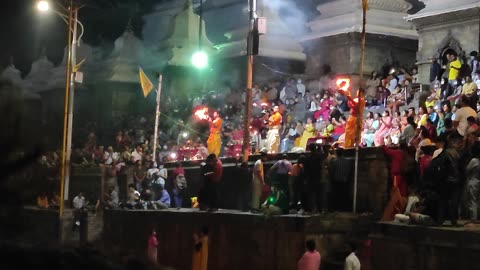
77	66
146	84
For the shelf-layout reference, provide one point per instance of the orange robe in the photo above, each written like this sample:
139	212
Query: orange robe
214	142
273	137
353	127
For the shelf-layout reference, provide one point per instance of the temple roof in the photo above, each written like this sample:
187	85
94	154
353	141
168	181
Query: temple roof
437	7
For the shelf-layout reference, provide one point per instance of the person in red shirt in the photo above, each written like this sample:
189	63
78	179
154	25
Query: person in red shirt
311	258
397	157
152	247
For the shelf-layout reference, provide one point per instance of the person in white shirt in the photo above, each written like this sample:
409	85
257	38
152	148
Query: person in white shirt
78	204
460	121
79	201
301	87
352	262
110	157
137	154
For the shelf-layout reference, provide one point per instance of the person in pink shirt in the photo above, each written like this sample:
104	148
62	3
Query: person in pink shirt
310	259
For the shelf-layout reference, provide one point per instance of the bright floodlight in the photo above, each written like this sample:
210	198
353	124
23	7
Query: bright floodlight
43	6
200	59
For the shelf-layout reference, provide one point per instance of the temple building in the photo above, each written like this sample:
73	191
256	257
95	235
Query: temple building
445	26
335	37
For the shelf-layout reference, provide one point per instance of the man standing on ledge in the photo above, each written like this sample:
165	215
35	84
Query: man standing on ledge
273	137
214	142
354	123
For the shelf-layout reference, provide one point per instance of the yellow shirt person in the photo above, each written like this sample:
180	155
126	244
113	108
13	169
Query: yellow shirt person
454	69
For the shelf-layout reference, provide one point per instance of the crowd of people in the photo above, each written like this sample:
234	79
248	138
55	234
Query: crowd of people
288	120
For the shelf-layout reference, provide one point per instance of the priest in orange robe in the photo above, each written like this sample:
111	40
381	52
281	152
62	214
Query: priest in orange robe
214	142
354	124
273	136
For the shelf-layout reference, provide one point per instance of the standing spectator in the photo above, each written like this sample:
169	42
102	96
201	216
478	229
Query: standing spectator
372	86
454	69
152	247
258	181
313	176
352	262
434	70
139	174
212	177
243	186
397	157
295	182
79	204
280	171
473	183
311	258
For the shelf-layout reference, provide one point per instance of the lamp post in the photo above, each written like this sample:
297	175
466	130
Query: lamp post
72	22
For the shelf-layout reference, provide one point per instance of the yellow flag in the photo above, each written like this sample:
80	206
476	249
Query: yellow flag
77	66
146	84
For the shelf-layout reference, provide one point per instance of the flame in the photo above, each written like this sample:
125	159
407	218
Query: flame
345	82
202	114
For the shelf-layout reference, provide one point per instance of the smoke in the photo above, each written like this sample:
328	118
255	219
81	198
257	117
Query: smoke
290	13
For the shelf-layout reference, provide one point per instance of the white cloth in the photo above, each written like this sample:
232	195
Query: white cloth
257	183
392	84
301	89
136	156
461	116
110	158
437	152
314	106
411	201
352	262
78	202
273	140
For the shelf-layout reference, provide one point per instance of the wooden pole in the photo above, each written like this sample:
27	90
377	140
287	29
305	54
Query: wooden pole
359	116
248	97
66	105
157	116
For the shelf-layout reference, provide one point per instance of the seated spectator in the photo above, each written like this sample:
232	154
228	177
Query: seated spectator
276	203
133	197
311	258
162	201
42	201
111	198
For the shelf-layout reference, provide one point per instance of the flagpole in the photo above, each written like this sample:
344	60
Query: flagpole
157	116
359	118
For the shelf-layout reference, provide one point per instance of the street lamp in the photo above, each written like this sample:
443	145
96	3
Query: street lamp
43	6
200	57
72	21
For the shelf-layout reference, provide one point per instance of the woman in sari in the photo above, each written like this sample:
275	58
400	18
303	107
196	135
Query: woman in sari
308	133
384	130
368	135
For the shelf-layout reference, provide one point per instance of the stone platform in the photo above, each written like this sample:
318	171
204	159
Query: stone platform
406	247
237	240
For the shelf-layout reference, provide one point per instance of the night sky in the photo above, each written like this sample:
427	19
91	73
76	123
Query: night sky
24	31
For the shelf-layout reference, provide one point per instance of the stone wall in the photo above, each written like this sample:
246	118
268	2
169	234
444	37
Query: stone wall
236	240
402	247
343	53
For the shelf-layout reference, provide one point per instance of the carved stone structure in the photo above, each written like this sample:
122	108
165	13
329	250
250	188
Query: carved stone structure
335	37
445	25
